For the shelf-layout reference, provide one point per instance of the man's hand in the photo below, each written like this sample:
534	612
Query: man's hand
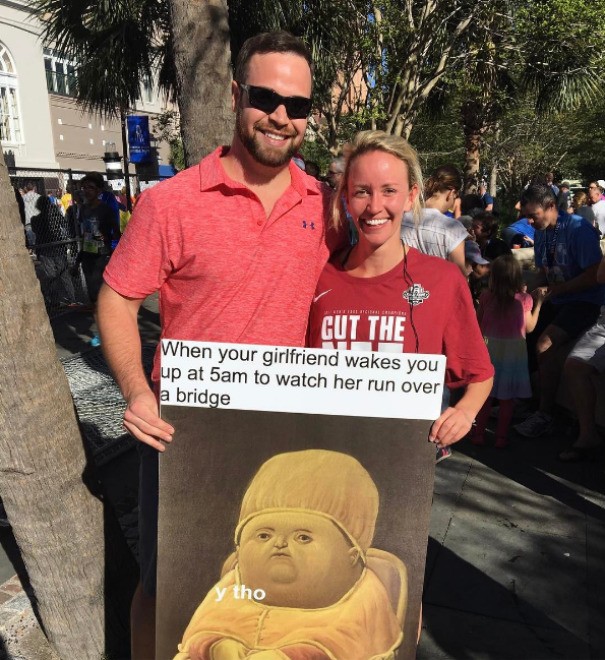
451	426
142	420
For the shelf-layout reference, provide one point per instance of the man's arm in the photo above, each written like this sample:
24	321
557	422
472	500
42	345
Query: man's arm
601	272
121	342
584	280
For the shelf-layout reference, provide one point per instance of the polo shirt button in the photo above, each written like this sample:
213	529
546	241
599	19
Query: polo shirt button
259	222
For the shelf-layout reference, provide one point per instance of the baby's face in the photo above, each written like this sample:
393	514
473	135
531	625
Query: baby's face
298	559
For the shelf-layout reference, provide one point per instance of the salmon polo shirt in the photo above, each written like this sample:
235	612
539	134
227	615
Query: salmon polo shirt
225	271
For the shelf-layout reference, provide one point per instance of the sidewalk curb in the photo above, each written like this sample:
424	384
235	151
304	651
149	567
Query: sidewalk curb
17	618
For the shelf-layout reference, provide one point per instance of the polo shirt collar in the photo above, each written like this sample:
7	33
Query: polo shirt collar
212	175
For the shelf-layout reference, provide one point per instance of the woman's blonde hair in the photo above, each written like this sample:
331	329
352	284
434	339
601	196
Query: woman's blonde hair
366	142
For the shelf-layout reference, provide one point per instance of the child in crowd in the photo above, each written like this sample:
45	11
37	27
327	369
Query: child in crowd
506	313
477	270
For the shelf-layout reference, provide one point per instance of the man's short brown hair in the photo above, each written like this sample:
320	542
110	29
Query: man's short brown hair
270	42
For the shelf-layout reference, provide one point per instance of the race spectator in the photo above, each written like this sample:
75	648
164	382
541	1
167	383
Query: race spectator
568	253
435	233
97	224
580	207
486	229
51	231
583	364
477	270
505	314
30	198
550	178
597	205
335	172
563	200
520	234
486	199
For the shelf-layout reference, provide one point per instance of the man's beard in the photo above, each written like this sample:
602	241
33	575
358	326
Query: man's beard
263	153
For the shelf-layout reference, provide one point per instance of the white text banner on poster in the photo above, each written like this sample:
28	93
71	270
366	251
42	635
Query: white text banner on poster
301	380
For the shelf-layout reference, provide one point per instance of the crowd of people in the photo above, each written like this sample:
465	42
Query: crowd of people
531	317
380	239
68	230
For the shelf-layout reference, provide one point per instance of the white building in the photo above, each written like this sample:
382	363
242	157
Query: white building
41	126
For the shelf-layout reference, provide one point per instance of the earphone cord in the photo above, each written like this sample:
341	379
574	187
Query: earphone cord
408	280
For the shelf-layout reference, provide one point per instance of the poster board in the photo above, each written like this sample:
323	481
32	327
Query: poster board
242	458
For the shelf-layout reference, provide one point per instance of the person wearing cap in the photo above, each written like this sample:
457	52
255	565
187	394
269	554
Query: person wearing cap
303	545
595	191
477	269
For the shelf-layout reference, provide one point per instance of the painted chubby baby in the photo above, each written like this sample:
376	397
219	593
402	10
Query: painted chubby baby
306	525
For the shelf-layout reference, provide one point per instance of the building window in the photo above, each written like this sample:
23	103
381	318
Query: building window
147	89
10	120
61	77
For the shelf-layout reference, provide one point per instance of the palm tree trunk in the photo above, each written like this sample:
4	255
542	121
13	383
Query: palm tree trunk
473	125
58	524
203	64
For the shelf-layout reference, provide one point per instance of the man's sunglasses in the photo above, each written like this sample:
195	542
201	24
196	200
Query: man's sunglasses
266	100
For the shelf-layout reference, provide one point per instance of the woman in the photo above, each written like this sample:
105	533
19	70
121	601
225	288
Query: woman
437	234
396	298
581	208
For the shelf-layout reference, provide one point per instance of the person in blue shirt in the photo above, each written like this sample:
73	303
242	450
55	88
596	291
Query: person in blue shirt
568	253
519	234
486	199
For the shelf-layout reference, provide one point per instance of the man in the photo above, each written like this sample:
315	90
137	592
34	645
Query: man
597	205
235	258
584	363
550	182
567	250
30	199
51	233
486	198
99	230
336	172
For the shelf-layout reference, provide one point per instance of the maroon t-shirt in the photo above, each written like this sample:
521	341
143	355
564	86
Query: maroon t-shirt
425	294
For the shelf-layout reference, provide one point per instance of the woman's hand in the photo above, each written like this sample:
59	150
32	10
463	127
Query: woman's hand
451	426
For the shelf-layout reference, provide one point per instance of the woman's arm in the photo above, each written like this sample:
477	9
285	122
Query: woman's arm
456	256
454	423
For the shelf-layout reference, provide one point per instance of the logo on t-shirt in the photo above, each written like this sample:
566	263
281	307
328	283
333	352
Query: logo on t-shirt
416	294
323	293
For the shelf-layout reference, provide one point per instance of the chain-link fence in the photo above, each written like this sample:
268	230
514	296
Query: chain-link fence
48	201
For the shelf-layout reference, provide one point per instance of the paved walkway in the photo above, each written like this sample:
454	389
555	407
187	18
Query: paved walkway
516	557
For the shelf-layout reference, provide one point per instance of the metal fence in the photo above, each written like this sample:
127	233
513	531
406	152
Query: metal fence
53	233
